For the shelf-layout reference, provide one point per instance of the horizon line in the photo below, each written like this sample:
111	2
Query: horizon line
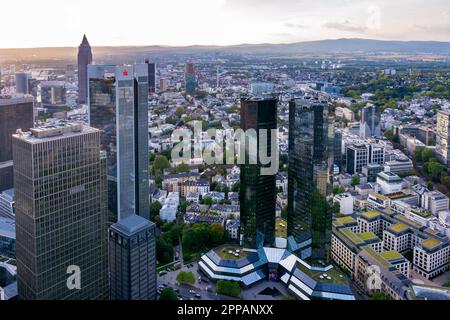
220	45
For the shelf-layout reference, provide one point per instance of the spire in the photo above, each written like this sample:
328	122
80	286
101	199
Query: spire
85	41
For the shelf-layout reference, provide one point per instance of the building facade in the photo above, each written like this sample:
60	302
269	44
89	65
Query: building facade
118	107
310	172
84	59
132	259
15	113
258	191
370	122
60	191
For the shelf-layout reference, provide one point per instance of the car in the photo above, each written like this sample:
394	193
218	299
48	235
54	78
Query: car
180	298
198	296
192	292
161	286
162	273
176	290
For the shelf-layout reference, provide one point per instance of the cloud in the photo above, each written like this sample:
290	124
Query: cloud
345	26
295	25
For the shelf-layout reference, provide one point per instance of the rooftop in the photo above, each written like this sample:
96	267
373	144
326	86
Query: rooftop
431	243
367	236
345	220
231	252
398	227
332	276
391	255
132	224
371	214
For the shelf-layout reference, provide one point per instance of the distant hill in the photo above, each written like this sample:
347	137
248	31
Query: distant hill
347	46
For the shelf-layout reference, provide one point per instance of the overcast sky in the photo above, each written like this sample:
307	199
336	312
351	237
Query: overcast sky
32	23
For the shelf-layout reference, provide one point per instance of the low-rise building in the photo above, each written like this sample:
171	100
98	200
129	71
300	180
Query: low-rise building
345	201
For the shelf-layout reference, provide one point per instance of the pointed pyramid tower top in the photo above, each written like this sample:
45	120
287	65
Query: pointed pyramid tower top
85	41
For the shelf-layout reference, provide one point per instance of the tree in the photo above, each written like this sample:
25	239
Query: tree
183	206
435	169
288	298
228	288
160	163
418	154
185	277
216	232
284	213
338	190
208	201
446	182
356	180
380	296
155	207
183	167
236	187
168	294
427	155
179	112
164	251
158	180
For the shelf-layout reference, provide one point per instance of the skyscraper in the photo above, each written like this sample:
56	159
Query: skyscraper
310	162
370	121
257	194
15	113
190	79
22	82
443	137
151	76
132	259
118	107
84	59
60	192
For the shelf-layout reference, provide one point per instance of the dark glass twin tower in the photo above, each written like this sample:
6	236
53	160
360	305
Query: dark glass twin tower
310	171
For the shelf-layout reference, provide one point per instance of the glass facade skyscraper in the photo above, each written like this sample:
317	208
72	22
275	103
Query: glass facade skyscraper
118	107
84	59
60	193
309	180
190	79
258	192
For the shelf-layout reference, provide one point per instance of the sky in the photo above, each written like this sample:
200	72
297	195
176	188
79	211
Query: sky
50	23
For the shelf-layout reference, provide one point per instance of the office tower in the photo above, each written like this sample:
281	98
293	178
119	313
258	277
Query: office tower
370	121
7	206
309	178
84	59
15	113
357	157
261	88
443	137
60	192
53	95
190	79
132	259
151	76
376	153
337	148
22	82
118	107
258	191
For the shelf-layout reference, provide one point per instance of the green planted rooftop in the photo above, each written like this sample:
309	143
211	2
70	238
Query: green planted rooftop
231	253
381	260
398	227
371	214
345	220
391	255
431	243
352	236
367	236
333	276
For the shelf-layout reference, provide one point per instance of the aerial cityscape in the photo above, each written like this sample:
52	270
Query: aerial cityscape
304	160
